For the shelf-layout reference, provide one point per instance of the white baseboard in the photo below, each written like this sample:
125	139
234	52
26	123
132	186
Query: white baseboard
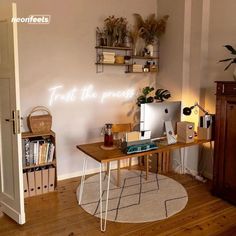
123	163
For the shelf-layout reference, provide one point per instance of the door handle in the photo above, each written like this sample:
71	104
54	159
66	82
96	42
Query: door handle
9	120
16	121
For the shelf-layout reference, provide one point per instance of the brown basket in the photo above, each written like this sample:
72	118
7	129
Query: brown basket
40	123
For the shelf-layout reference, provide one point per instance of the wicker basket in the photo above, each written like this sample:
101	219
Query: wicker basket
40	123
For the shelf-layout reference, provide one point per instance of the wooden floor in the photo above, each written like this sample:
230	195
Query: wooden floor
59	214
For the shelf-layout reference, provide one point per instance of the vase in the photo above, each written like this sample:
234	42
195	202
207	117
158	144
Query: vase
234	73
149	48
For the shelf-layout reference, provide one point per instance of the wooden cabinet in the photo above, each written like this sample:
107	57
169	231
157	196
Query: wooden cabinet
224	172
39	162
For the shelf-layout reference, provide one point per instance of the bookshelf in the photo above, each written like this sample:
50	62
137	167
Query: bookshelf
39	163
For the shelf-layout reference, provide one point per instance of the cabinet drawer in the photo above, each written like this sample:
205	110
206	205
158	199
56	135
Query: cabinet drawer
226	89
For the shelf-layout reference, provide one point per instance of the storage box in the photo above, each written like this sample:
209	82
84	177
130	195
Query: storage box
204	133
185	132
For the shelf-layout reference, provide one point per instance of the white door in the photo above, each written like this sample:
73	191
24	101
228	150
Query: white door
11	177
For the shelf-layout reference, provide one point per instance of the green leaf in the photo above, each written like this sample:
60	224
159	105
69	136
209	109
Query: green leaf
226	60
228	65
231	49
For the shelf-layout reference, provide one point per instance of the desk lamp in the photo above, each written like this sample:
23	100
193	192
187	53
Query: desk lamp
188	110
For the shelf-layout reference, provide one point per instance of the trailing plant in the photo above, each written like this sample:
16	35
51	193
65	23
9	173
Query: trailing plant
146	96
231	60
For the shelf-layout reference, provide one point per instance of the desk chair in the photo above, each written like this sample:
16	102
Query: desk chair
123	128
116	130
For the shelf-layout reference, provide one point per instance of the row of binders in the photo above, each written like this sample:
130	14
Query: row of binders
36	152
39	181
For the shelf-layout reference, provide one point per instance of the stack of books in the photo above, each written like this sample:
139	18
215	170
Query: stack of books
137	68
108	57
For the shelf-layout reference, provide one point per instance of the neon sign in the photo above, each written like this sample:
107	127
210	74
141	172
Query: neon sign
86	93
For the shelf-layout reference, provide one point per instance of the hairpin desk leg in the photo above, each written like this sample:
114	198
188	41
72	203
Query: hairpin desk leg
103	221
82	180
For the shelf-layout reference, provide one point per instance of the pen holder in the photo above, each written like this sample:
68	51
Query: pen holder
204	133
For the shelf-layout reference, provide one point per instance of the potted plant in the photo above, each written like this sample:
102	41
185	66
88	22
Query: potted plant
147	95
150	29
231	60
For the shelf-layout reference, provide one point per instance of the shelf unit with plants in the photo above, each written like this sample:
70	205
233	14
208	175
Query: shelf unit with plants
115	38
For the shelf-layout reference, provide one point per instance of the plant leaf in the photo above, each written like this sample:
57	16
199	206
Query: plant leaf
228	59
228	65
231	49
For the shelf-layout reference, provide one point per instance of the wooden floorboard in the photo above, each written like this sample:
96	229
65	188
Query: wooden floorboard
58	214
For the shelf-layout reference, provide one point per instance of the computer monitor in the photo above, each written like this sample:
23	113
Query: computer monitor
154	115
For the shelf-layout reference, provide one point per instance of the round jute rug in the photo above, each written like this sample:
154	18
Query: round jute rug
137	199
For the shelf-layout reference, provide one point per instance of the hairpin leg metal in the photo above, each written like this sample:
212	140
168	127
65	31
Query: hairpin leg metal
82	180
103	221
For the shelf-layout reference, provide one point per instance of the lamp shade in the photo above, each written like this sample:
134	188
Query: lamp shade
187	111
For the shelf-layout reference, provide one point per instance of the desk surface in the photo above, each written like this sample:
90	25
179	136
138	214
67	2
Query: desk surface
95	151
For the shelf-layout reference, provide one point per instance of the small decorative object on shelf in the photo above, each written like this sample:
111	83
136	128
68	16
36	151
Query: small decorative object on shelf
231	60
127	59
119	59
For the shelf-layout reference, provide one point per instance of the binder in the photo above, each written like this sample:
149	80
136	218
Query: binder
51	179
25	182
45	180
38	182
31	183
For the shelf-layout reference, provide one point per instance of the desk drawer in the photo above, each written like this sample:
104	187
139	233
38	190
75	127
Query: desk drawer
226	88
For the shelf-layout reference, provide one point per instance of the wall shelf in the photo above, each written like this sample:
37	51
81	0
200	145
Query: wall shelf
112	64
114	48
148	61
144	57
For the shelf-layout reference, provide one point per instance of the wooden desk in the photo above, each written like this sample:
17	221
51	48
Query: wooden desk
95	151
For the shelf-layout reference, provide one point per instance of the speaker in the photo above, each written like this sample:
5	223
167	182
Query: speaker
185	132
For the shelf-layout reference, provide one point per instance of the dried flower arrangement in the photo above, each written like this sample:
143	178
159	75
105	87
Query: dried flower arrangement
114	31
151	28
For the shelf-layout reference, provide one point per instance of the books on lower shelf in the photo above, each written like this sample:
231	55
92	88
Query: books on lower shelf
37	152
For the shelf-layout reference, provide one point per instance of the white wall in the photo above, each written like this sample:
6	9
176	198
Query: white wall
212	24
62	53
221	32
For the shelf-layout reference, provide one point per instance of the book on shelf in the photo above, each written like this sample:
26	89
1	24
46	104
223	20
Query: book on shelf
26	151
37	152
51	152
